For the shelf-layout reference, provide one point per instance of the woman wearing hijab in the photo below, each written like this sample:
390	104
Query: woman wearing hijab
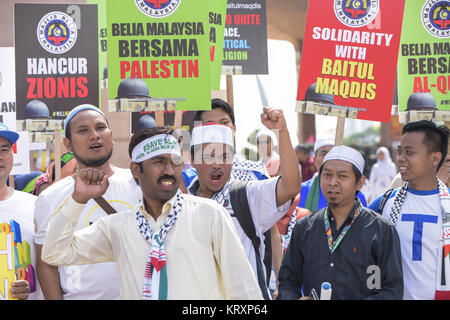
382	172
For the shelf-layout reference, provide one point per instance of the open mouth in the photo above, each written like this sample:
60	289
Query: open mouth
402	170
95	146
216	177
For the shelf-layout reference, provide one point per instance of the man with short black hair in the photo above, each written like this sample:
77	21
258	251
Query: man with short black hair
420	210
344	244
169	246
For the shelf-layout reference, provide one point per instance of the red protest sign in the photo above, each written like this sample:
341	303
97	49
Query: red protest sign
349	58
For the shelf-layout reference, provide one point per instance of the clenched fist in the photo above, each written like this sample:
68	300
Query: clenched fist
89	183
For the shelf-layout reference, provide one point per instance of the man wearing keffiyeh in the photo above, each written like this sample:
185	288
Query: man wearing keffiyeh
212	149
171	246
420	210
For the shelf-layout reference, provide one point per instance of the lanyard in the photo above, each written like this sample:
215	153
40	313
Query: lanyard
333	245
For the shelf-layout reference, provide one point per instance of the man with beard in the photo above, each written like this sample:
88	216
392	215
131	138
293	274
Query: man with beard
170	246
89	137
351	247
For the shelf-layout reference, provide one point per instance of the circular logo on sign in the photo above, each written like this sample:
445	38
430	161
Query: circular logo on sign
157	8
356	13
436	18
57	32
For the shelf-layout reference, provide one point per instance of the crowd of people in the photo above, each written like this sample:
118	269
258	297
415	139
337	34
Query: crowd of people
223	227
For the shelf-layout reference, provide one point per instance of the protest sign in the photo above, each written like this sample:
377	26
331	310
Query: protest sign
7	88
349	58
166	44
424	58
217	14
102	44
245	42
56	58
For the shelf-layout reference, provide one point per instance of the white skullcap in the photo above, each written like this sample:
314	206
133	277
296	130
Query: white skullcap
267	133
323	142
347	154
212	133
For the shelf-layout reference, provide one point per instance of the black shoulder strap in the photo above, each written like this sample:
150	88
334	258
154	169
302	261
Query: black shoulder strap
384	199
239	202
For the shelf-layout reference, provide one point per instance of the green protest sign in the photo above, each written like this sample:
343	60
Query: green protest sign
424	55
217	15
102	45
166	44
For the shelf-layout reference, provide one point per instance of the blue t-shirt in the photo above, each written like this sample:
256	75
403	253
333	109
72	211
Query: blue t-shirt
306	186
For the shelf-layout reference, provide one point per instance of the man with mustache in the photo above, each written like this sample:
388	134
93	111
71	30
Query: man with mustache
351	247
170	246
212	151
89	137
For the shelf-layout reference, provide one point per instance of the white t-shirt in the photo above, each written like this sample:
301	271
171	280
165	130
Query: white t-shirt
93	281
16	225
420	228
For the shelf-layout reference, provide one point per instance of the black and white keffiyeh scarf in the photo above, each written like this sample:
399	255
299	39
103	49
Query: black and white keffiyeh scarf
443	263
155	279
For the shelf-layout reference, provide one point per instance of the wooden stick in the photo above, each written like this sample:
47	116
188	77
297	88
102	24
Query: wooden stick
57	166
159	118
230	97
178	121
339	138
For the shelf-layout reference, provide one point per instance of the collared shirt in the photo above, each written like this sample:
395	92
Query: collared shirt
365	265
205	259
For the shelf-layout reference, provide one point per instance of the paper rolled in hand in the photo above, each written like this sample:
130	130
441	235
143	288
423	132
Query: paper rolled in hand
325	291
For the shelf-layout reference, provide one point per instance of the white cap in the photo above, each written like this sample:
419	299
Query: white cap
347	154
323	142
264	132
212	133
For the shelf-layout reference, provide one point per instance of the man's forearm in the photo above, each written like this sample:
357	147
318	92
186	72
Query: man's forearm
48	277
290	181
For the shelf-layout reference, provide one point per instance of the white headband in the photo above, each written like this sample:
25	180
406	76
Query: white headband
347	154
154	146
212	133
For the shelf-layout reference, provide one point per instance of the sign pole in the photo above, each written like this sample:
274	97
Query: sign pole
159	118
57	166
230	99
339	137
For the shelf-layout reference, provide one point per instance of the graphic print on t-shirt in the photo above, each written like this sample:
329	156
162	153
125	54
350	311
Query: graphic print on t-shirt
15	259
418	220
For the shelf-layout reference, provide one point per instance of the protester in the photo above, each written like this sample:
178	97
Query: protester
89	137
266	141
420	211
343	242
171	246
382	173
16	227
306	162
244	170
311	196
267	200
